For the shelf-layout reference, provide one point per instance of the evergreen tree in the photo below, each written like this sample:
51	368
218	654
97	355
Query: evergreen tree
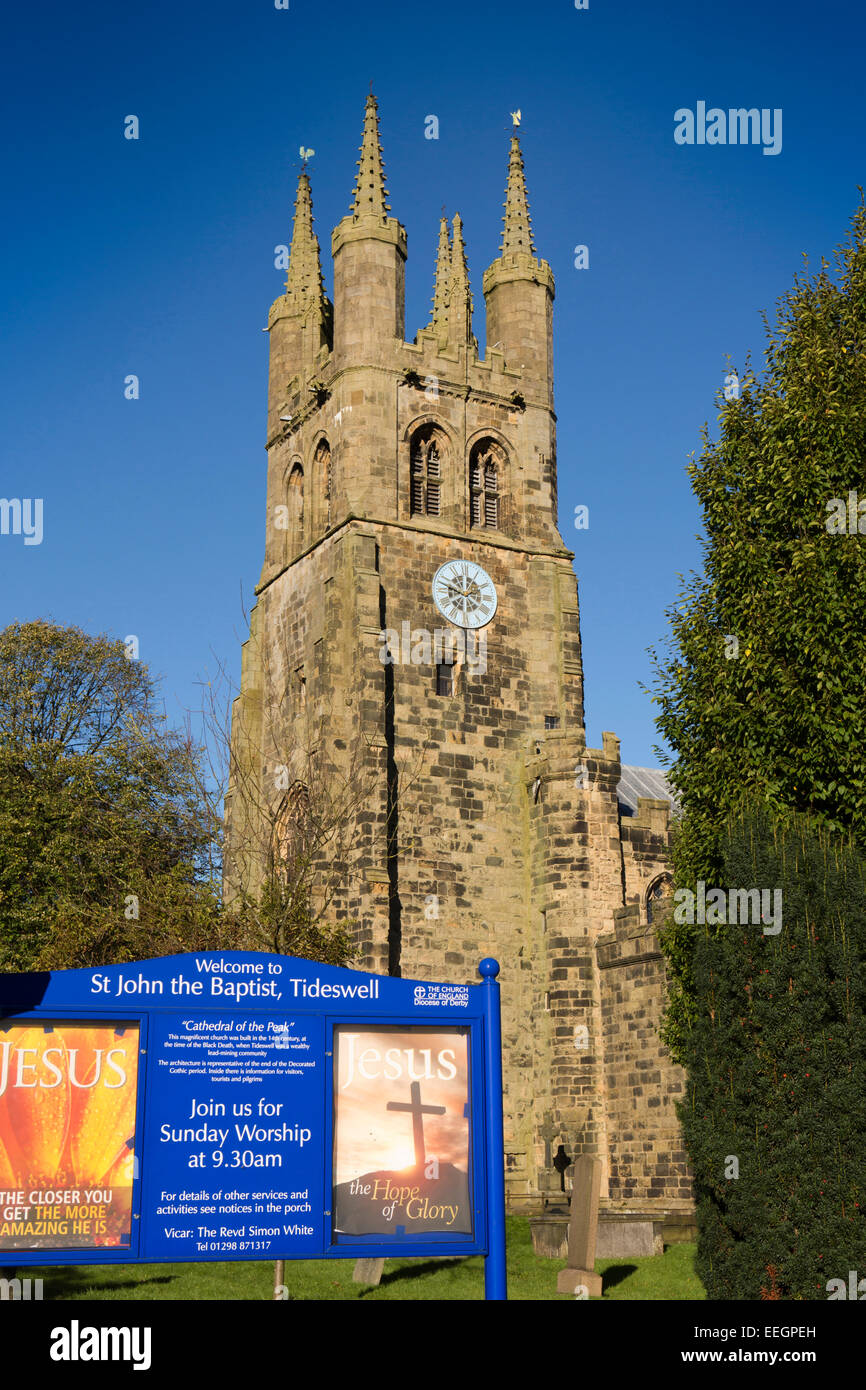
774	1116
762	693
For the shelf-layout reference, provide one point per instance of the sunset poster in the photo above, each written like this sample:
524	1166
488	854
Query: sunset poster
401	1131
67	1132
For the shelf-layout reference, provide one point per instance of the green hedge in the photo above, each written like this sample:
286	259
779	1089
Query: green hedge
776	1074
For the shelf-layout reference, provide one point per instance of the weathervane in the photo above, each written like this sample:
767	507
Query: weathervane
515	117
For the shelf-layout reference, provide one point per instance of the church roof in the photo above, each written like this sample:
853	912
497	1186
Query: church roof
643	781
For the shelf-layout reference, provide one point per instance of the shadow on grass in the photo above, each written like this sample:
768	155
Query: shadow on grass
412	1271
72	1284
616	1274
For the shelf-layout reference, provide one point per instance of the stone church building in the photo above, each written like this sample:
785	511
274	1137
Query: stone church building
416	645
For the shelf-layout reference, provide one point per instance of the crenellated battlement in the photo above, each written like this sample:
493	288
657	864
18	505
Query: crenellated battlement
347	390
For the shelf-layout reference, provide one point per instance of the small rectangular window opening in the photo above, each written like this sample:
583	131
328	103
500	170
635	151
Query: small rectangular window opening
445	678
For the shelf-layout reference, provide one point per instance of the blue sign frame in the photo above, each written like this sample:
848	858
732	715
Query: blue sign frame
232	1148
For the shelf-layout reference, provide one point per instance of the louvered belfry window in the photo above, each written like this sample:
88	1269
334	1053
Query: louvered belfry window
417	479
433	479
484	488
475	493
491	494
426	478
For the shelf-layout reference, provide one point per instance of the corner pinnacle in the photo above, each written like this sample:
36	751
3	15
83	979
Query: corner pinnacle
460	296
369	193
442	280
517	231
304	282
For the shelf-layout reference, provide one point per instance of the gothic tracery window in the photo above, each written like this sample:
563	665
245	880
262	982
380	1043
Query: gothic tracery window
426	476
295	501
292	830
657	897
322	469
484	485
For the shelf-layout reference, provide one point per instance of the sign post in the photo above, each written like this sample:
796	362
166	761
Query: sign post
495	1283
244	1106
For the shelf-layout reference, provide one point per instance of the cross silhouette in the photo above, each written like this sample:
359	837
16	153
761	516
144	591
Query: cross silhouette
548	1131
417	1110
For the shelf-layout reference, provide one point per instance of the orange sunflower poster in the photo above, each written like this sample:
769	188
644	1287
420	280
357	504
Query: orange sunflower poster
67	1133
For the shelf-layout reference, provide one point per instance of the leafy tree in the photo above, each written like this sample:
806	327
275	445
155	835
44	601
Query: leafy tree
111	825
105	849
762	692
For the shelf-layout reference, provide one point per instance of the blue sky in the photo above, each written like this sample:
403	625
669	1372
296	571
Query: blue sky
156	257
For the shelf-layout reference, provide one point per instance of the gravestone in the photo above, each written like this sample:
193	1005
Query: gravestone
582	1230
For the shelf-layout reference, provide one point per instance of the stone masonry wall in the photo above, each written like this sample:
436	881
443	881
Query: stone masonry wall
647	1162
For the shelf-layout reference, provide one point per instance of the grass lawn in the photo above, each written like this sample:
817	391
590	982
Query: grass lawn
668	1276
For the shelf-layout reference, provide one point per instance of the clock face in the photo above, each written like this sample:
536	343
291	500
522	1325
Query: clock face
464	593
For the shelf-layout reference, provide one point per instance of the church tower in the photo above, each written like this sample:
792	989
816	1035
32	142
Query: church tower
413	679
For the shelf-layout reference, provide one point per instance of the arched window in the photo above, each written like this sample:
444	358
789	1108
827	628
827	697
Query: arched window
322	474
293	831
657	896
295	502
485	469
426	475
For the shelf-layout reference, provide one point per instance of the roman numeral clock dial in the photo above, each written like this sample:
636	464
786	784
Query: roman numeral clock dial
464	593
